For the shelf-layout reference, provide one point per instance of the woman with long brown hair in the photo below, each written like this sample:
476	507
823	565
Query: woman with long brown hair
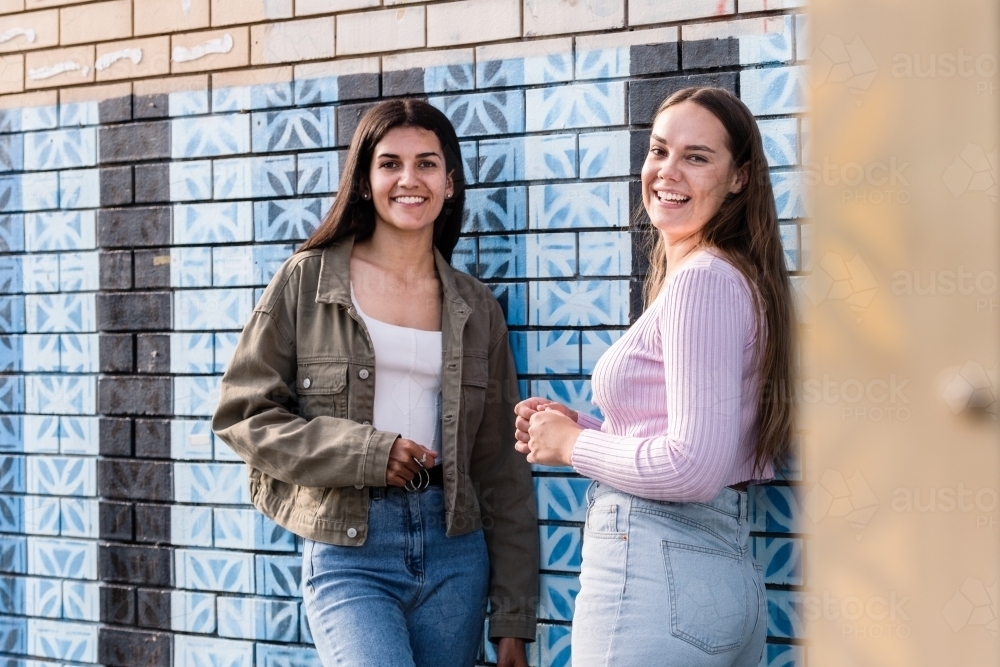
371	395
667	576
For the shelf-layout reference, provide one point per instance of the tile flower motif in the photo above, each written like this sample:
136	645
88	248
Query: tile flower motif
774	91
576	205
578	303
61	230
244	98
223	571
60	149
496	210
578	105
210	136
293	129
79	188
532	70
213	223
287	219
484	113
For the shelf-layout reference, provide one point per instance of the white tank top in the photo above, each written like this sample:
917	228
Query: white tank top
407	380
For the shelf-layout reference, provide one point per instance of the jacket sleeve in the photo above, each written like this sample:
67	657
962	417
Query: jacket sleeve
256	412
507	501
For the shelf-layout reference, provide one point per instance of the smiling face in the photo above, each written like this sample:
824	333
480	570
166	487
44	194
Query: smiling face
407	180
688	171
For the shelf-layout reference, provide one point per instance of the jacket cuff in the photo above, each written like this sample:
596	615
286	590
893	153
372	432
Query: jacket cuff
512	625
377	457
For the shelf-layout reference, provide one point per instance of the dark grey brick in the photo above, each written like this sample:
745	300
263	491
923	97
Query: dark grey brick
133	395
118	605
636	306
115	110
152	183
638	149
118	647
152	438
357	86
116	521
115	437
403	82
653	59
151	106
135	480
152	268
153	353
642	243
348	117
142	226
706	53
645	95
134	142
153	608
116	270
152	523
134	564
116	186
116	353
133	311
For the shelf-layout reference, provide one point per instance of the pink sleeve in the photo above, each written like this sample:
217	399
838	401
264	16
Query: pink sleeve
586	421
703	330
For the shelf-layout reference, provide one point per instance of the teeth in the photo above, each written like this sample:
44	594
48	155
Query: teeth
670	196
410	200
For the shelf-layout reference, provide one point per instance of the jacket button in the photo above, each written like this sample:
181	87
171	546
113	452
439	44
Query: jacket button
363	374
452	366
359	487
448	418
352	532
306	383
366	423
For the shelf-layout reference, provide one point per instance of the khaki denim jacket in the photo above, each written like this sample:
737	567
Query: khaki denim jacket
297	401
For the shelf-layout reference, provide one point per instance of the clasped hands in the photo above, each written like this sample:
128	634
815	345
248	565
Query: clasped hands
546	431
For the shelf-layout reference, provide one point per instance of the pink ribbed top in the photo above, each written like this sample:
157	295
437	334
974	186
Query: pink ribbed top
678	391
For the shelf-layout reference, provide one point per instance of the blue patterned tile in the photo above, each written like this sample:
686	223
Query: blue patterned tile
10	194
41	515
79	113
249	178
255	618
14	634
213	223
773	509
550	255
780	558
465	256
11	595
11	438
192	612
249	529
502	257
191	440
192	353
62	558
62	640
60	394
552	352
605	154
578	105
211	483
11	394
790	244
11	353
448	78
79	272
190	526
550	156
60	149
61	475
784	655
258	96
225	347
597	63
321	90
80	188
774	91
784	614
574	393
11	231
593	344
293	129
768	47
304	630
39	191
79	435
64	313
210	136
190	267
187	103
191	180
318	173
10	120
279	576
41	434
223	571
81	601
212	652
79	517
484	113
196	396
61	230
562	498
553	646
534	69
781	141
11	152
513	299
558	597
560	548
40	273
789	194
605	253
470	161
13	554
579	303
287	219
270	655
232	266
576	205
212	309
501	160
43	597
10	275
267	259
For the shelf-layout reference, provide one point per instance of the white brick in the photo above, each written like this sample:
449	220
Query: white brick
767	5
737	28
292	41
377	32
642	12
425	59
473	21
307	7
337	68
616	40
553	17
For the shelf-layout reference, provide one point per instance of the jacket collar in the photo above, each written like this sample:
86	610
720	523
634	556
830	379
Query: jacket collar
335	276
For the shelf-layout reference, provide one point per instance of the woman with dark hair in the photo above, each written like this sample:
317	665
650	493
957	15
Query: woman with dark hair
688	420
371	395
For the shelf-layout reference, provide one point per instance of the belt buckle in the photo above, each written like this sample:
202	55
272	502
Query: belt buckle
424	478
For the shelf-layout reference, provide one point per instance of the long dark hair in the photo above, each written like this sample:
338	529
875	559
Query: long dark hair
351	214
745	229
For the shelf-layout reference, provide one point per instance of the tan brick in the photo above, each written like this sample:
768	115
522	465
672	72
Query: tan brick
555	17
333	68
30	30
177	84
425	59
231	12
766	5
378	32
626	38
291	41
389	3
59	67
311	7
40	4
211	50
133	59
11	6
642	12
107	91
40	98
473	21
251	77
158	17
98	22
11	73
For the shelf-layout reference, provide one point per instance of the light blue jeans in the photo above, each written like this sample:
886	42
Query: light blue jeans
409	597
668	584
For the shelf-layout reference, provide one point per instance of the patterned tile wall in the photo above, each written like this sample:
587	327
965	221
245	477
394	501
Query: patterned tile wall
136	235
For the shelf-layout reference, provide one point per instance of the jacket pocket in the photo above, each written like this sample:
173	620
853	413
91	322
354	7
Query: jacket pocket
475	379
322	390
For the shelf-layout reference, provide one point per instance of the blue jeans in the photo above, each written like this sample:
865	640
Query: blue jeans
668	584
409	597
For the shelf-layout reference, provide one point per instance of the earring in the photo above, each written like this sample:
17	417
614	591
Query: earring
365	195
447	195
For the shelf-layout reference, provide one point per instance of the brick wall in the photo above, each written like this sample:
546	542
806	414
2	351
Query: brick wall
159	159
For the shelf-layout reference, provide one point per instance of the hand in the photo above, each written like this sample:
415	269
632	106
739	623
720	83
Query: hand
403	461
551	438
510	653
530	406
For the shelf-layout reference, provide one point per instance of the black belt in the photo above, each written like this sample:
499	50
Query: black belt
425	478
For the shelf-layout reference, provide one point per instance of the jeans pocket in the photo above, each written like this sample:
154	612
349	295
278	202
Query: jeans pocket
708	596
602	521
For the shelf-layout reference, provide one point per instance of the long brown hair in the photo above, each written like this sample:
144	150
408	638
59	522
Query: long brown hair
745	230
351	214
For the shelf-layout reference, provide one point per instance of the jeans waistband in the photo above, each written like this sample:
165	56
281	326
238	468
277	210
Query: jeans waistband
729	501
